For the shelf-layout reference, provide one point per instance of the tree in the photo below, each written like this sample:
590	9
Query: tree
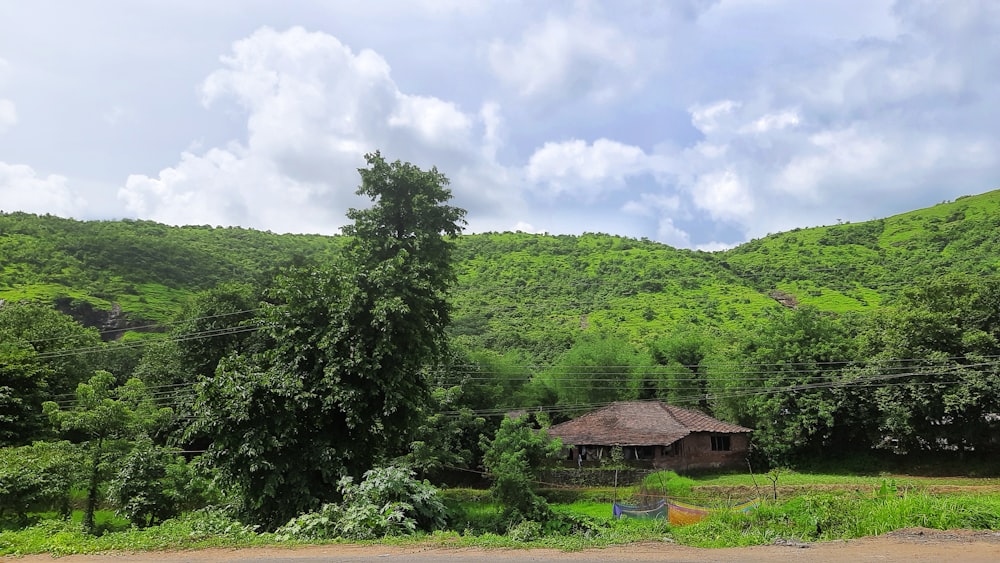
345	382
23	388
938	348
40	357
40	473
595	371
107	418
514	458
155	483
448	436
790	390
684	352
213	324
392	322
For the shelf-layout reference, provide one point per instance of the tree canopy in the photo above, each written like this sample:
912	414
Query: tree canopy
345	382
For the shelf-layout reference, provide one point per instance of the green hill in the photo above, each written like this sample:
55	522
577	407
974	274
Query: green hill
516	291
854	266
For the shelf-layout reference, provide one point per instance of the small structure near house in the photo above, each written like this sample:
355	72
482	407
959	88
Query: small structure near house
654	434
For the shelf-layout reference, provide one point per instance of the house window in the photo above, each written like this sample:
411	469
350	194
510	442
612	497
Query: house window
721	444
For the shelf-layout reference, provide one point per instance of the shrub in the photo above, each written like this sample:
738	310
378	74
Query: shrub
388	501
155	484
39	474
513	458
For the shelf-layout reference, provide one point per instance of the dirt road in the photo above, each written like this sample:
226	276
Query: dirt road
911	546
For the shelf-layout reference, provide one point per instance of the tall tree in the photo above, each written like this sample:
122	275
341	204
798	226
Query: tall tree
685	382
345	381
514	458
23	388
595	371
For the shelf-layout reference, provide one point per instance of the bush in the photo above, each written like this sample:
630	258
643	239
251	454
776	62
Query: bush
388	501
39	474
513	458
155	484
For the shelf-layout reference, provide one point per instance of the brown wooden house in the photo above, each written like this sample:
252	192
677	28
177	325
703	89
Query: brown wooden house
656	434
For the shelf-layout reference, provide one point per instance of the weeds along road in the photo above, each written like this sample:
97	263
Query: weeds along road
912	546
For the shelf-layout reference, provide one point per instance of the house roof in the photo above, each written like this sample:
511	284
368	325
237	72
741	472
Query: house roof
638	423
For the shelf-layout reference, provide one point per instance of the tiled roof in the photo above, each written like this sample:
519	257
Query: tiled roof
638	423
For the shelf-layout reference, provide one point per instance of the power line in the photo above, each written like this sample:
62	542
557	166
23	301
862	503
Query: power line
147	326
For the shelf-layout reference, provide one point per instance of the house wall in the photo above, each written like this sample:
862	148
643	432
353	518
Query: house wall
695	452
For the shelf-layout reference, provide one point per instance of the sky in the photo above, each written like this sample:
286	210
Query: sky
697	123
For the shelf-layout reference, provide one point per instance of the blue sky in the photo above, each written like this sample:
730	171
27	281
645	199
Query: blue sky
697	123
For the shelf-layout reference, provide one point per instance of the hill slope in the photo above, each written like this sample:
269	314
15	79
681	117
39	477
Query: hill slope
534	293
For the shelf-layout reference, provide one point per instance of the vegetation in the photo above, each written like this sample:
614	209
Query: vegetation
351	342
514	458
106	418
859	509
213	385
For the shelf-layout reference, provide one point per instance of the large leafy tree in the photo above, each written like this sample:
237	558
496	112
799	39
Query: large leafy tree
791	386
23	388
683	379
345	382
41	473
595	371
43	355
937	353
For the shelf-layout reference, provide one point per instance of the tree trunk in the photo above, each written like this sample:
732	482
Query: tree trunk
88	514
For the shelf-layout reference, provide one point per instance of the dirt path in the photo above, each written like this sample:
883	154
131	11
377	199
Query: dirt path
912	545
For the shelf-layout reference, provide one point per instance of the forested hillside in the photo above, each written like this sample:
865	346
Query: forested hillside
850	266
883	334
531	293
275	356
149	269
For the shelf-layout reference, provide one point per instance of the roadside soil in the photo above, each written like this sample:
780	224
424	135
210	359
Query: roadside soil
909	545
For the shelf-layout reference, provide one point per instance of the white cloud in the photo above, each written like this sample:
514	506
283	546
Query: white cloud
714	246
8	114
828	156
436	122
652	204
724	195
314	107
637	117
23	189
668	233
772	121
581	170
492	133
523	227
712	117
567	58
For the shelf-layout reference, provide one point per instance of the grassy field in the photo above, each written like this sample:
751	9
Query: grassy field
810	507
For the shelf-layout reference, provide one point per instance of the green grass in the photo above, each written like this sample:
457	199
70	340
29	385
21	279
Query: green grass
824	517
65	537
862	508
788	478
589	508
